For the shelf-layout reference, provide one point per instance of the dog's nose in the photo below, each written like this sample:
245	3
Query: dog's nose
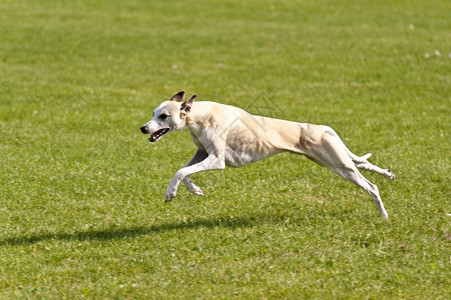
144	129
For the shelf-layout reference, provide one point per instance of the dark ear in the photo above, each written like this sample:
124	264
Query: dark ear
186	106
178	97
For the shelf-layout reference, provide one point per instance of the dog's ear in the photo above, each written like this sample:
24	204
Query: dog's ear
178	97
186	106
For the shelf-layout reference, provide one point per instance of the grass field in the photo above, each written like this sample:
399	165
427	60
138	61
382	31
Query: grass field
82	190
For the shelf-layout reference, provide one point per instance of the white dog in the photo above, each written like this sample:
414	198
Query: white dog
229	136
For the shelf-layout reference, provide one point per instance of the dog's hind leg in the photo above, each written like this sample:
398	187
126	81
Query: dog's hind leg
332	153
366	165
345	167
353	175
362	162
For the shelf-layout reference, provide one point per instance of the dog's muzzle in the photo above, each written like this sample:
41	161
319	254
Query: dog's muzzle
155	135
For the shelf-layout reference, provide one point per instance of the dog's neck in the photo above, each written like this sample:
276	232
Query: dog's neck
195	120
189	120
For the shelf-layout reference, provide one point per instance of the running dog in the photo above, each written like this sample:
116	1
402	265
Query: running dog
229	136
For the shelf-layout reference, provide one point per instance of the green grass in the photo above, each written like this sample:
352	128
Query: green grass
81	192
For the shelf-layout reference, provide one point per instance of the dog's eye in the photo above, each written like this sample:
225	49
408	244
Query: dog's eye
163	116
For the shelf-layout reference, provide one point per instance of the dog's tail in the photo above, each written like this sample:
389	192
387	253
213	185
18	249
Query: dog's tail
358	159
355	158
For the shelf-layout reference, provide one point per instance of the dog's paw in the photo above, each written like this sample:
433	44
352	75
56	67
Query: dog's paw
192	188
391	175
195	190
169	196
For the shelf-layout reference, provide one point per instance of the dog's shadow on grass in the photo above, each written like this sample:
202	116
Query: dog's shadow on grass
121	233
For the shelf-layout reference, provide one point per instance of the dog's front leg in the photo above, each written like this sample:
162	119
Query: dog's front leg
199	156
189	183
212	162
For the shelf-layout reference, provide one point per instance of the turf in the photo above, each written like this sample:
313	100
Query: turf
81	192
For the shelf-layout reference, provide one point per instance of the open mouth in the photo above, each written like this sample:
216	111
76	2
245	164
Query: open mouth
158	134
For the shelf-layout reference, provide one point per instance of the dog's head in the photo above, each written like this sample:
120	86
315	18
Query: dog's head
168	117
